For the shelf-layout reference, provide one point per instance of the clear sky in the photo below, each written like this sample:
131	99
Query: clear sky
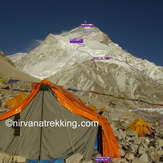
136	25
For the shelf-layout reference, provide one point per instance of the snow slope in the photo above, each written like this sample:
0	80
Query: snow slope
40	62
63	63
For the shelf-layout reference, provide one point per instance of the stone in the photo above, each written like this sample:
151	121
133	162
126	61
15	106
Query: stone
115	116
160	153
120	134
1	96
141	150
137	160
131	133
161	158
19	159
4	85
134	148
160	142
154	156
4	157
129	156
144	157
89	161
1	160
122	152
76	158
119	160
140	141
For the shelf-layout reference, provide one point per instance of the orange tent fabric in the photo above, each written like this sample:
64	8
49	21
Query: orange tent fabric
76	106
34	84
91	107
16	100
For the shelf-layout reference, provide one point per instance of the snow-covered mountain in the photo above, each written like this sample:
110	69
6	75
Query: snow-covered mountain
17	56
63	63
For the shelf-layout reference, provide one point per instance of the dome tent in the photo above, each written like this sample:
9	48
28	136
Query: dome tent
140	127
49	102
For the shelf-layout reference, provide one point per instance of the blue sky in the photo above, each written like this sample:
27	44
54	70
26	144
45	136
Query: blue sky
136	25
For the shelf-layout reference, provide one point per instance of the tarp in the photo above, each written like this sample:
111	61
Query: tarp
140	127
15	101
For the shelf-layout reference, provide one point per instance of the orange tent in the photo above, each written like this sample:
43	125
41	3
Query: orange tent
76	106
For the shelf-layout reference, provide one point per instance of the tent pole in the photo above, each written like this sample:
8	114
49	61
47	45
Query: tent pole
41	127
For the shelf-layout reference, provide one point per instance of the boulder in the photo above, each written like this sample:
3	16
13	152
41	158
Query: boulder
4	157
137	160
89	161
129	156
154	156
144	158
76	158
160	142
119	160
120	134
135	148
131	133
4	85
141	150
19	159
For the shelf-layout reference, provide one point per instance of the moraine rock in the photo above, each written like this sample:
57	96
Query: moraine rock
90	161
131	133
154	156
130	156
141	150
76	158
144	158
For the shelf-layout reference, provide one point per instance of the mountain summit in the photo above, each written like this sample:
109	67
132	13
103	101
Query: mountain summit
72	66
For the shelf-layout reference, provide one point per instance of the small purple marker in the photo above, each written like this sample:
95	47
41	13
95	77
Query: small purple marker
102	159
101	58
87	25
107	58
76	40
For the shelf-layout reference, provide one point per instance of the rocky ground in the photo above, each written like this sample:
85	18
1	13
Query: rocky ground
134	149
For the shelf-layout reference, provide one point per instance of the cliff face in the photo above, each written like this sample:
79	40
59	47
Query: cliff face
2	56
8	70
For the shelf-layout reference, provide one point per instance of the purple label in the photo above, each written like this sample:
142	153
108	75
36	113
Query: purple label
87	25
103	159
101	58
107	58
76	40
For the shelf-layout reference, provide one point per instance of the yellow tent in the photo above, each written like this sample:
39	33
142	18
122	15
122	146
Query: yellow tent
16	100
140	127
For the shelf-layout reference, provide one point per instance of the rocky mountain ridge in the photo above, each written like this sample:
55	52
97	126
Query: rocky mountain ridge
64	64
